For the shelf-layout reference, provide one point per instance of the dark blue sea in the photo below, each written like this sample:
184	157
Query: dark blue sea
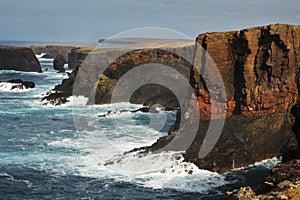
46	154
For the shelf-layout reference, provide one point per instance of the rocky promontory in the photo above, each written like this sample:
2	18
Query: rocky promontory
260	71
19	59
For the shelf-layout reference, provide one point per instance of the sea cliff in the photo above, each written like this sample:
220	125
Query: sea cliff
19	59
260	71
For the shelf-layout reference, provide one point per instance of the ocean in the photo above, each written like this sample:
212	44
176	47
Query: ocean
44	155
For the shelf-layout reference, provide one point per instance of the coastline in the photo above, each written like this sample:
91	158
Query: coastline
191	159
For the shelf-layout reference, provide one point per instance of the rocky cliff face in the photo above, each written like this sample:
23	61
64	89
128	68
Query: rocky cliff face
19	59
77	55
260	71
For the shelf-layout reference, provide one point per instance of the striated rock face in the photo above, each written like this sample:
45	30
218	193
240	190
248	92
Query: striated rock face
260	71
19	59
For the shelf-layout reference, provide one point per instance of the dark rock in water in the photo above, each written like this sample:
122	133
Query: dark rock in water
19	59
21	84
59	62
61	92
55	98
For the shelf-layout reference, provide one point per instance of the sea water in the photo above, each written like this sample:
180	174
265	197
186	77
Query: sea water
44	154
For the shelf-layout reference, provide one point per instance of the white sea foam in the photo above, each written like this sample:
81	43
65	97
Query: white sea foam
102	147
158	171
41	59
267	163
77	100
40	55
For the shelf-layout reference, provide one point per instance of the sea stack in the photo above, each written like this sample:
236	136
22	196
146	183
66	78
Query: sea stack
18	59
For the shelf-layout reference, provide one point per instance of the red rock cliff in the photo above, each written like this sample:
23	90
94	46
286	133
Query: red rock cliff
260	71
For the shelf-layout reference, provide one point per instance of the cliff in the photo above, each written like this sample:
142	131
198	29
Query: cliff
19	59
260	71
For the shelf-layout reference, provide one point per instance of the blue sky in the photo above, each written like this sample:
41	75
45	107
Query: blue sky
89	20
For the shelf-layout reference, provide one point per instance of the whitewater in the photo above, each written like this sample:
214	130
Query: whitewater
44	153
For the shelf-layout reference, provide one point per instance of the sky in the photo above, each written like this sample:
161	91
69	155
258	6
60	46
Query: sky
89	20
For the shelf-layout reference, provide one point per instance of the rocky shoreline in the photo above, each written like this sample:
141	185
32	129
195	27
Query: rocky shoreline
260	68
260	71
283	183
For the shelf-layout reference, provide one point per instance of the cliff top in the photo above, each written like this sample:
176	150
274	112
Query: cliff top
274	27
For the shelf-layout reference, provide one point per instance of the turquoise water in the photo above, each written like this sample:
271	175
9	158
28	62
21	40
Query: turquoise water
44	154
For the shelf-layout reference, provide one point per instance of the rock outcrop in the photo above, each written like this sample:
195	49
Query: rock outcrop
260	71
20	84
77	55
59	62
19	59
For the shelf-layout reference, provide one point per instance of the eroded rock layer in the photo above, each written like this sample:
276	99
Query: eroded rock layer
260	71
